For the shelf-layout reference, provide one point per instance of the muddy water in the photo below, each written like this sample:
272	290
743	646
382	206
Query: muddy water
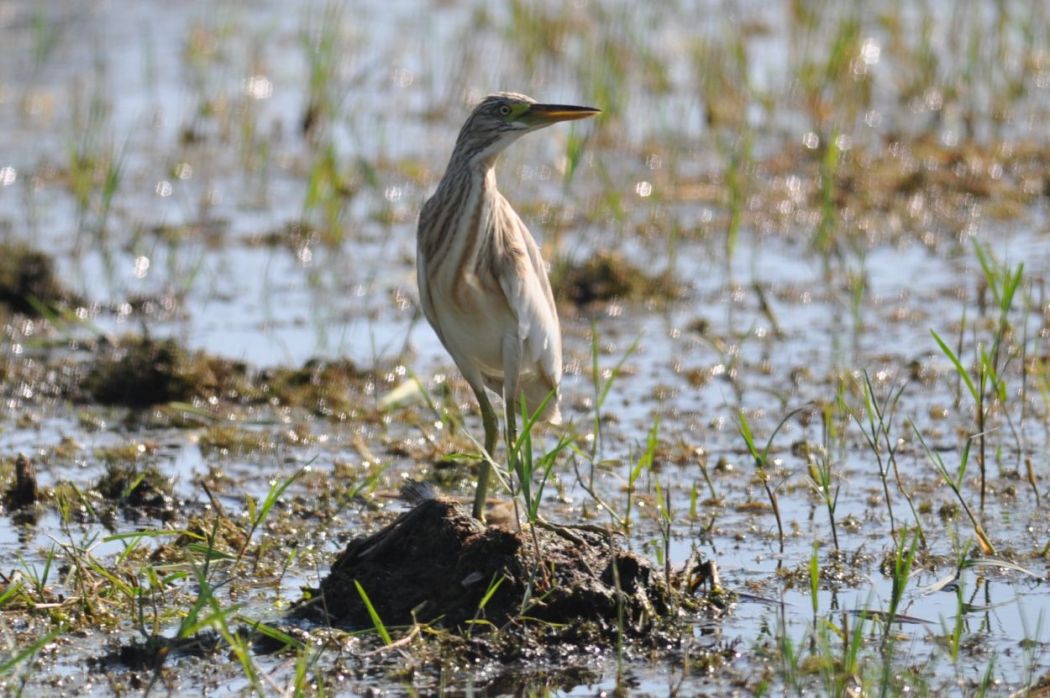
200	240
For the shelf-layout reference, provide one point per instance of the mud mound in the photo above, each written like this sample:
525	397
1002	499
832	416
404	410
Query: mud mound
139	371
28	281
605	277
438	564
142	371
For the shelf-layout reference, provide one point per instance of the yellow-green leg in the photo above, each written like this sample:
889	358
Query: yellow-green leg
511	359
488	419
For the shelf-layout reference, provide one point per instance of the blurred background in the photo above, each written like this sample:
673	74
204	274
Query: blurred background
246	175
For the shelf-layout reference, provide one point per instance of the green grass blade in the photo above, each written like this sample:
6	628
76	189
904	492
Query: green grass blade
376	620
963	373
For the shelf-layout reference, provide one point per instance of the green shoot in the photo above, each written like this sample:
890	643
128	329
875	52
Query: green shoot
643	464
525	464
377	622
257	514
820	476
762	463
955	484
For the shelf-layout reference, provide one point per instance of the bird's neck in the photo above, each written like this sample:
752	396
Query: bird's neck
485	177
481	176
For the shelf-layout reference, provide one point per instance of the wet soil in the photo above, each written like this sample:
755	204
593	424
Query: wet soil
139	372
23	492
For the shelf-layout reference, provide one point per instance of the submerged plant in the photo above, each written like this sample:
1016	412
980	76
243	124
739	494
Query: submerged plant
320	41
644	464
95	162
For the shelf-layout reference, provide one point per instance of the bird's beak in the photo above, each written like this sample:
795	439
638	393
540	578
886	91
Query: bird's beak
546	114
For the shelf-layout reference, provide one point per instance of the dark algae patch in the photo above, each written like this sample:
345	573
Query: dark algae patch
553	586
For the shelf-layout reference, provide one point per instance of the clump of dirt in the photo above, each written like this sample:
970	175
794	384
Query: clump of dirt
223	534
28	282
23	491
293	235
436	564
326	388
149	654
141	371
605	277
230	438
131	485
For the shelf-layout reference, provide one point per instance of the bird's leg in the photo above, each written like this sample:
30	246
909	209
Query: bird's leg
511	398
491	424
511	405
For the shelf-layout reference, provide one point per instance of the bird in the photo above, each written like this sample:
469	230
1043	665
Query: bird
483	285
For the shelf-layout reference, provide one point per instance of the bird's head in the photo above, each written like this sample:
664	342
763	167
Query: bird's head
502	118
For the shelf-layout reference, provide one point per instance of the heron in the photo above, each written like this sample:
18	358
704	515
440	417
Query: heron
483	285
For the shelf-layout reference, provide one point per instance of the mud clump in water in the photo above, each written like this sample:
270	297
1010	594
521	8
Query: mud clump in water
28	282
140	372
436	564
22	498
128	485
605	277
23	491
326	388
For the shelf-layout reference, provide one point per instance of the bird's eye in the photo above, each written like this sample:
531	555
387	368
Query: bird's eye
504	110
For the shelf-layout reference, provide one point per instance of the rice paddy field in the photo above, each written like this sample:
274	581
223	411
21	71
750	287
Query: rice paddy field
801	261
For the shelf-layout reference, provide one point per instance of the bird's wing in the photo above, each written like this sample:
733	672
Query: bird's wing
425	302
523	278
422	275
